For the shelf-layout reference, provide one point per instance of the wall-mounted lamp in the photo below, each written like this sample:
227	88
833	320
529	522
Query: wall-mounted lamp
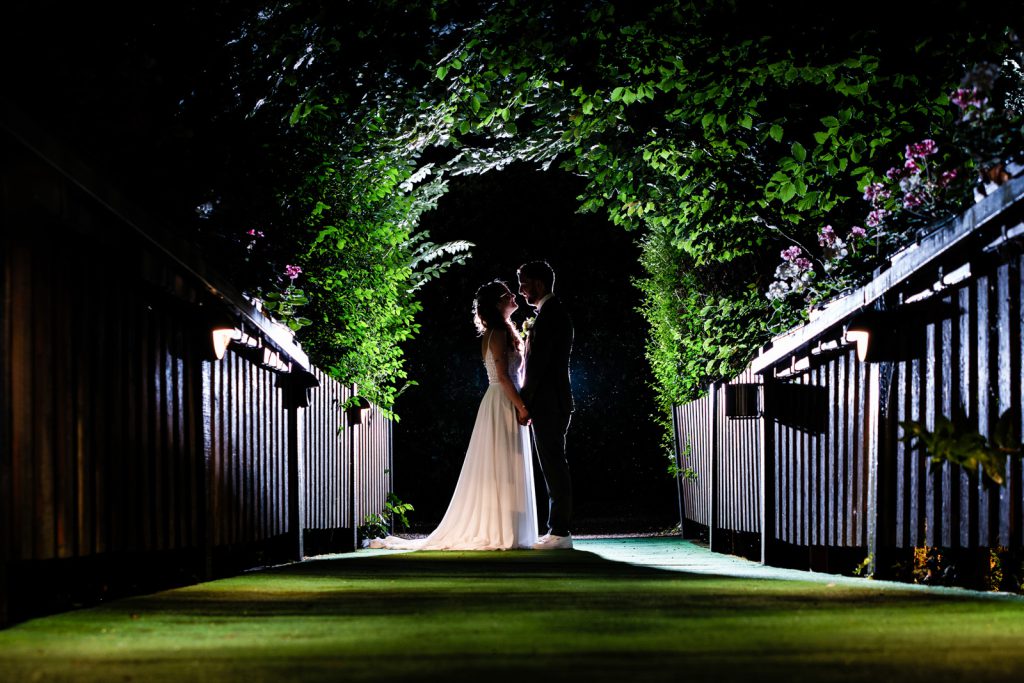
354	413
213	330
804	407
878	337
222	338
296	386
896	335
741	400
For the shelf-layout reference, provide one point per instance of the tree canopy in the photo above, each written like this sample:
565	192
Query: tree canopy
722	133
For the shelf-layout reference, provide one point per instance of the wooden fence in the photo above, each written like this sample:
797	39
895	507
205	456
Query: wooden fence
131	457
800	461
723	449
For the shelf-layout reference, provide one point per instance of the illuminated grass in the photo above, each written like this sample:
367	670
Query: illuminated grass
520	616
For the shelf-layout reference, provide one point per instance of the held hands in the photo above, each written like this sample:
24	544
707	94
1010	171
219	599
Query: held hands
523	416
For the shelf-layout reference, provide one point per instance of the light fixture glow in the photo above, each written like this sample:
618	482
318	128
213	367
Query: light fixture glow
861	338
222	337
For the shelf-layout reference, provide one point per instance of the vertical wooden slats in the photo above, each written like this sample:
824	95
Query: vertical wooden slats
118	438
822	490
374	461
22	431
1001	321
694	438
1016	391
113	412
724	452
327	457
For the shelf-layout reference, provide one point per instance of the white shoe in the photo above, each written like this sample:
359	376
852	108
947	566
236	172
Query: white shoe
552	542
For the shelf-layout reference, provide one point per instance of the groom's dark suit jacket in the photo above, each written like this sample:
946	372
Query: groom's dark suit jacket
546	389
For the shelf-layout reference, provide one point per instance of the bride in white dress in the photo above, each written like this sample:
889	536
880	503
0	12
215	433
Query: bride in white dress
494	505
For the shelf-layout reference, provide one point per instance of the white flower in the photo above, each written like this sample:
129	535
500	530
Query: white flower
527	326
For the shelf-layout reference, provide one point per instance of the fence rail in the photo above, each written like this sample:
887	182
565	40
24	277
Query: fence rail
130	456
821	471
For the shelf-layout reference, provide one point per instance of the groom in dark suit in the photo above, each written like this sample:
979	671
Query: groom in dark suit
548	396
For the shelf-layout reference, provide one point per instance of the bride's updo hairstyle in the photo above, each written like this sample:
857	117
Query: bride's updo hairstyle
487	315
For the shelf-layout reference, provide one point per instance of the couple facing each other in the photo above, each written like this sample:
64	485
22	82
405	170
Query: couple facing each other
494	505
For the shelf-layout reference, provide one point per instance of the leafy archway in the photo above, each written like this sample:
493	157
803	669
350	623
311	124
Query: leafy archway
723	133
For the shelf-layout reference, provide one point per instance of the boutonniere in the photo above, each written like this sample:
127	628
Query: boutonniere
527	326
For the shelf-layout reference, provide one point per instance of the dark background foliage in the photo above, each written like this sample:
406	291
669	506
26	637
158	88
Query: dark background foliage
617	463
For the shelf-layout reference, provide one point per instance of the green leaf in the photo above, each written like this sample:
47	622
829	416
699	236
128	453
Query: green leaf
799	153
787	192
775	133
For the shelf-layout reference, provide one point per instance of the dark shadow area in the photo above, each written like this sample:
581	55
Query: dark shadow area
613	447
409	583
801	406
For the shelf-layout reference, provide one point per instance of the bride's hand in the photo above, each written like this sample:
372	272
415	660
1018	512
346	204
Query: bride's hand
523	415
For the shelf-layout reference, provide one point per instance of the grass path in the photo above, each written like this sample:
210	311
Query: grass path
524	617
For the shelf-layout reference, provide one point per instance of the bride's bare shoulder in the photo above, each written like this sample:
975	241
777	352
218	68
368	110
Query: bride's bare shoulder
493	342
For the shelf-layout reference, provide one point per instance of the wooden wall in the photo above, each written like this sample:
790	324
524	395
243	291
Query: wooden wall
972	374
130	458
831	476
723	451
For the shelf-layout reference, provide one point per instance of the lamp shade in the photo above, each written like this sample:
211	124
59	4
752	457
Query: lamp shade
886	336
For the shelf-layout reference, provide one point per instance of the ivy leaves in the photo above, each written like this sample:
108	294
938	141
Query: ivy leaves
961	445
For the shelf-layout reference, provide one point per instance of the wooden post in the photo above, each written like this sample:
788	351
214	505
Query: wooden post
390	486
767	484
871	431
353	486
296	501
354	417
206	479
713	478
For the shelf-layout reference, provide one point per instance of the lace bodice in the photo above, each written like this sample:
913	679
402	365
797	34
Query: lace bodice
514	363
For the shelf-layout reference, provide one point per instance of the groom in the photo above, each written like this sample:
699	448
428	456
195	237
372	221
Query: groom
548	396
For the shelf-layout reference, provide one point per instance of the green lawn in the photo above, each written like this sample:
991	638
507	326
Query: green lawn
522	616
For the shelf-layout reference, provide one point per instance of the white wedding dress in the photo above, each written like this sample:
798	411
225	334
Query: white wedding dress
494	505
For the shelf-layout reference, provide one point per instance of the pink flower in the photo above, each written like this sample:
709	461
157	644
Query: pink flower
802	263
791	253
292	272
947	177
968	97
876	218
858	232
875	192
827	236
254	233
912	200
895	173
920	150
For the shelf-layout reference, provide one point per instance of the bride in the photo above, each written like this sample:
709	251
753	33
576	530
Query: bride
494	505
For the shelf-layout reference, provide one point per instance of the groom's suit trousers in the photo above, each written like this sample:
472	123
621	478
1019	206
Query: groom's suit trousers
549	441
